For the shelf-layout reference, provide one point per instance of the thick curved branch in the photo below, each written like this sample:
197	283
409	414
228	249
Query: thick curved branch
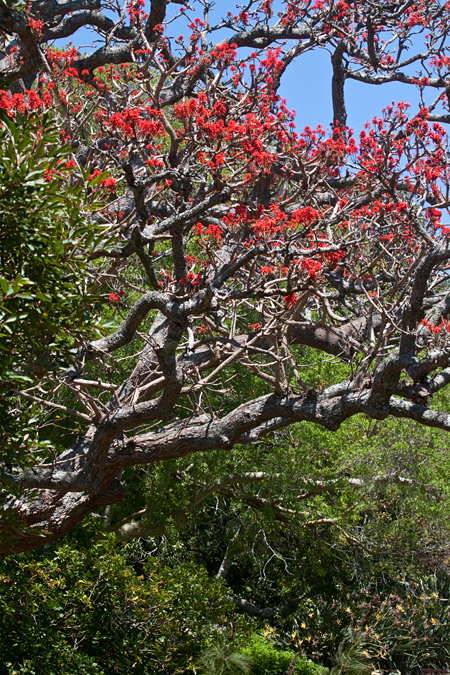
419	413
88	17
137	314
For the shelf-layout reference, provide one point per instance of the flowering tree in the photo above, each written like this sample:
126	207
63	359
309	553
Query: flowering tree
229	239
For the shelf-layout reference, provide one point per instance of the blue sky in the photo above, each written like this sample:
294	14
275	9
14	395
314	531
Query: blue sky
306	85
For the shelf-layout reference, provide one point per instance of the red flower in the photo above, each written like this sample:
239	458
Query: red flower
36	25
290	299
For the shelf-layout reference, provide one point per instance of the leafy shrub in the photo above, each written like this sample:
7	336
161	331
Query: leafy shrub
400	627
44	244
267	660
70	612
410	628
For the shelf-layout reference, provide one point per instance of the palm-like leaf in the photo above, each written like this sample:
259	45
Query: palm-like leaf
351	659
220	660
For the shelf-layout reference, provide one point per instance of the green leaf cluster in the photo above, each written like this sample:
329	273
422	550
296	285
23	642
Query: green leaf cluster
89	610
45	307
268	660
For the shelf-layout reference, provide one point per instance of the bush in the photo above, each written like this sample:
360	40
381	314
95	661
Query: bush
410	628
68	612
267	660
44	244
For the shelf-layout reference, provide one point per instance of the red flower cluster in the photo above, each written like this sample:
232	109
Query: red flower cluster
115	299
290	300
37	26
215	232
444	325
136	13
109	183
21	102
312	267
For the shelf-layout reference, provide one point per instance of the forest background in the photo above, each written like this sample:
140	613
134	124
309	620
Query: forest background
328	542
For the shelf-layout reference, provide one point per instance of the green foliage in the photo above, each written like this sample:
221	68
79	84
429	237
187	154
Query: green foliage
190	604
378	621
44	240
268	660
42	247
327	575
389	516
90	612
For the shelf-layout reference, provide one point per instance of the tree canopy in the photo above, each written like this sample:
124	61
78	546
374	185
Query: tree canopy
225	243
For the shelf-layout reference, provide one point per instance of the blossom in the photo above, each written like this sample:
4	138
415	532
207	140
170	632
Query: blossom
290	299
312	267
215	231
36	25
